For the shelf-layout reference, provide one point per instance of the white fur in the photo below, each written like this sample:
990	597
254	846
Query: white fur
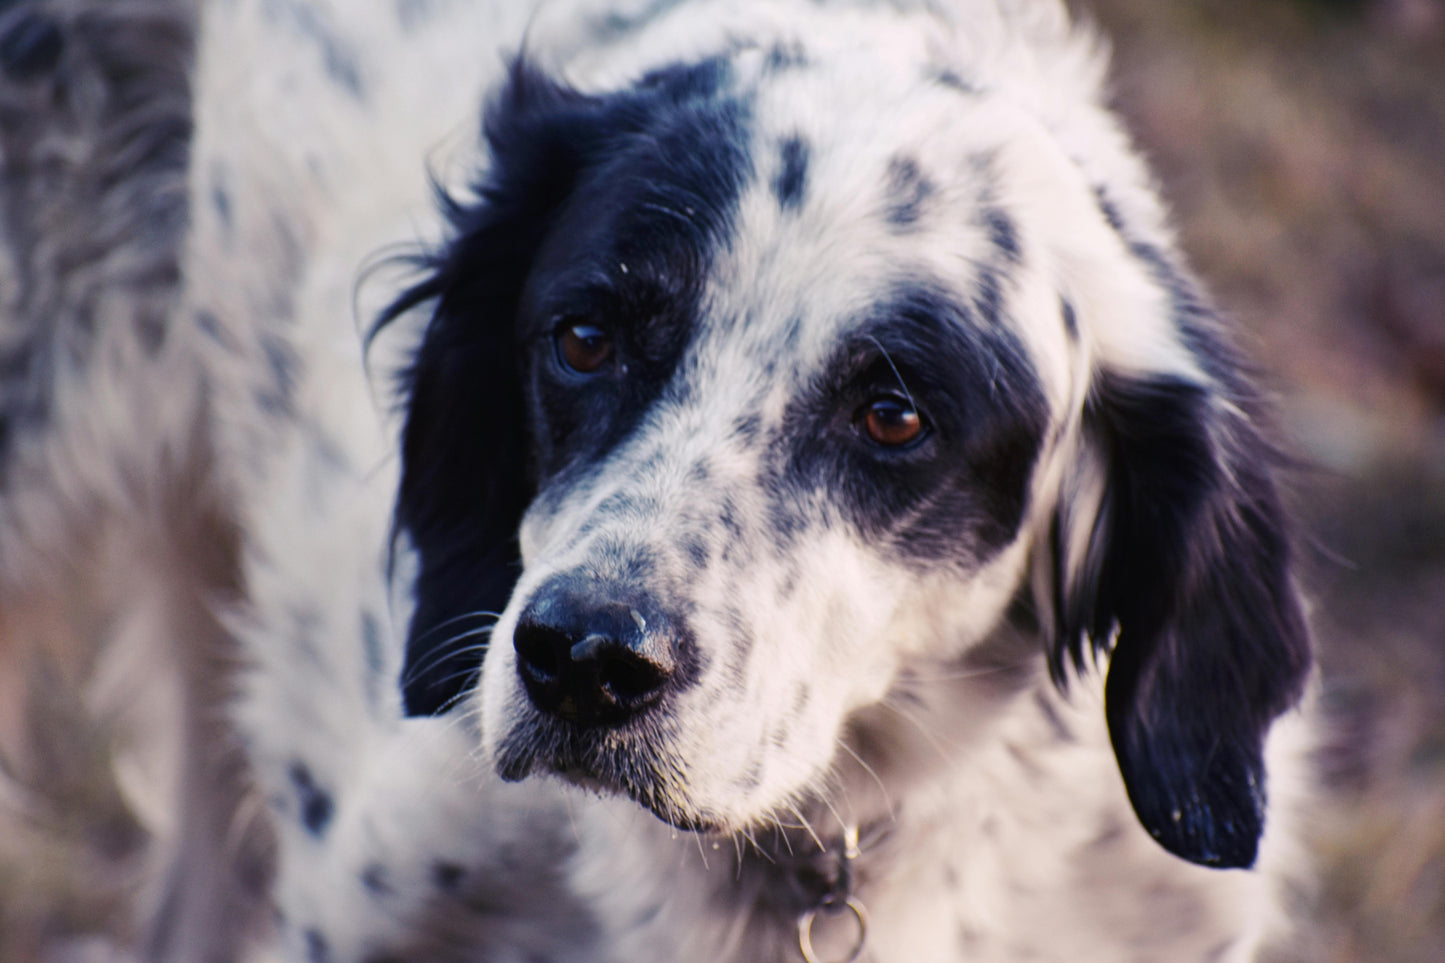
1006	841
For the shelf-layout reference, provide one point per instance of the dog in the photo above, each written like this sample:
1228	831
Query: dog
794	502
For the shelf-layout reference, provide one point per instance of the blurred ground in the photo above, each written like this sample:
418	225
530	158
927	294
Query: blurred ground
1301	144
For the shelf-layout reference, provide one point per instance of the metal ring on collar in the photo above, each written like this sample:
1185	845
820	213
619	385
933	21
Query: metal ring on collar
805	931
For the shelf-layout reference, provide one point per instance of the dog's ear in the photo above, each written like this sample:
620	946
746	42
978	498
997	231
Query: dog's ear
1173	553
464	446
466	456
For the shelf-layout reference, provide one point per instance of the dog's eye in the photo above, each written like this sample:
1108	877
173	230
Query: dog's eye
891	421
582	347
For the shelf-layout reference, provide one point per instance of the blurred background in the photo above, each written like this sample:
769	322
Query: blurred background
1301	144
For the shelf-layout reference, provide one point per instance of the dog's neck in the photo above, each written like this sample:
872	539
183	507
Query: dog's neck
899	781
829	854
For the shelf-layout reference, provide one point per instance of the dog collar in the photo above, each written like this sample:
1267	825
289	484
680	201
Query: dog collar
837	900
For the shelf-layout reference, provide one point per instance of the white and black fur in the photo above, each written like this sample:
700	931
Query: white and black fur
689	582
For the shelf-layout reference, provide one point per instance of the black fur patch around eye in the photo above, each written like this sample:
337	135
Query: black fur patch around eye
630	248
961	493
613	201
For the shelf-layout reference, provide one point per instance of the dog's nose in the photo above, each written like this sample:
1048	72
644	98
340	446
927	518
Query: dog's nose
591	662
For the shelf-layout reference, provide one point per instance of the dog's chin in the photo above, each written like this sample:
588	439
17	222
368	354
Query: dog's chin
582	758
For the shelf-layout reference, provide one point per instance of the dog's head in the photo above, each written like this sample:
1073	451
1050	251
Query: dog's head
756	382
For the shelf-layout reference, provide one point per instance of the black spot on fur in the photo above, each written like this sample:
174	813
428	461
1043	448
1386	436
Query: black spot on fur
318	950
728	518
212	328
791	183
1108	209
577	186
411	14
150	331
907	191
786	519
700	473
275	396
788	584
948	78
1003	235
697	551
221	202
1057	725
338	59
791	334
785	57
30	47
376	880
371	643
747	427
448	877
622	504
314	803
652	461
740	632
988	297
1071	319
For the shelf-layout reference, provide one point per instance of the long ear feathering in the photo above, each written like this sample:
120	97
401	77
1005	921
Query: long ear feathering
466	459
1185	579
464	481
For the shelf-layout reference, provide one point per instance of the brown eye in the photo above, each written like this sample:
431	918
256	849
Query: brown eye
582	347
891	421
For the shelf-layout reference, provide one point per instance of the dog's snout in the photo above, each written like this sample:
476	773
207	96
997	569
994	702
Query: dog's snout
592	662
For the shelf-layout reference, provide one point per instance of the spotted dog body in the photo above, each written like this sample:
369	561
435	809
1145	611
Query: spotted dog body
804	423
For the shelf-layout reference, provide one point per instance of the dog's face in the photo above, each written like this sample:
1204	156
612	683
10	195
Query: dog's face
791	375
783	438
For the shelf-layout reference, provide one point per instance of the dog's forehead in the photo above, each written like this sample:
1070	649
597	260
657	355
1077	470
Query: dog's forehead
862	184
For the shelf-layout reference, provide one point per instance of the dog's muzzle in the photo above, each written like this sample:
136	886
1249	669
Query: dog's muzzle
591	656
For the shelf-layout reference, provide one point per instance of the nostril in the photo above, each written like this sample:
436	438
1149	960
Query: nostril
543	652
592	669
627	677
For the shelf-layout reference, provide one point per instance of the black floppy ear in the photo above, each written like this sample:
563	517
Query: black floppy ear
464	454
1173	551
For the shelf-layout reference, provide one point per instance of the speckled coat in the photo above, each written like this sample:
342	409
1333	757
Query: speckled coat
805	211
